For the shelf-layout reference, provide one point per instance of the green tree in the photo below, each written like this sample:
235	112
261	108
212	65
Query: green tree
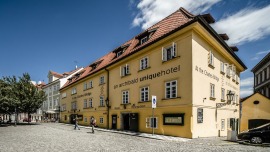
20	95
29	97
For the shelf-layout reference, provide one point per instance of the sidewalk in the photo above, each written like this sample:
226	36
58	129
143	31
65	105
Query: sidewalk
144	135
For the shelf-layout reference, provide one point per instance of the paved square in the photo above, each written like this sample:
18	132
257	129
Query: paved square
56	137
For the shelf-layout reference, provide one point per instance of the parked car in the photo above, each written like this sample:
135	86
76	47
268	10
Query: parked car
256	135
27	120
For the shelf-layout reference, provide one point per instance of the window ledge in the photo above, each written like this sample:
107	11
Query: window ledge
144	101
212	98
125	103
211	66
101	106
228	76
87	89
73	94
222	100
101	84
221	72
171	98
237	82
171	59
125	75
144	69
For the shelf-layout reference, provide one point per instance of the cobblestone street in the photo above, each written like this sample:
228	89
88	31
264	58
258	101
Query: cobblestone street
49	137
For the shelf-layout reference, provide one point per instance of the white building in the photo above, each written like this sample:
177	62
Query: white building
51	106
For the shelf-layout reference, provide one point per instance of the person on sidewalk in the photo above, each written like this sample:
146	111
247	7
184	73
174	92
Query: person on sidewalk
93	124
76	123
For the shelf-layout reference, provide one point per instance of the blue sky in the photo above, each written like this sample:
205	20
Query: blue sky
41	35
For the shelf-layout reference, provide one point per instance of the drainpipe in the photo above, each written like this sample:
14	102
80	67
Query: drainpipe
107	100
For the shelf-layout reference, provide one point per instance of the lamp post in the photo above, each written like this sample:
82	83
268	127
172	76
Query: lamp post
108	107
230	96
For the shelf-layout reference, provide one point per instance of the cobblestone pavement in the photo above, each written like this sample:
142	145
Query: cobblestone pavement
55	137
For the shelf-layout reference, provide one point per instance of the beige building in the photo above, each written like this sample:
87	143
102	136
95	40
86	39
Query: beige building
182	61
255	111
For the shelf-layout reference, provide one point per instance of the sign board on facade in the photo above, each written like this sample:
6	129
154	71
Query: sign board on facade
199	115
173	119
154	101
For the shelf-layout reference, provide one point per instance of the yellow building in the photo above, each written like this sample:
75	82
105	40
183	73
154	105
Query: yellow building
182	61
255	111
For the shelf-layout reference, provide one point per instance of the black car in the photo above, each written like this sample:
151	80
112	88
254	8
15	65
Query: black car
257	135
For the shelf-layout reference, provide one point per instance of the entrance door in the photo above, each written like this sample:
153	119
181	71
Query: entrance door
126	121
114	121
71	118
134	122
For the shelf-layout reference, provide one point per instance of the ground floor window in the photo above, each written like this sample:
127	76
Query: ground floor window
101	120
65	117
222	124
173	119
152	122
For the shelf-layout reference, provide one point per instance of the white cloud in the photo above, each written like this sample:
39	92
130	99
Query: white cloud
246	87
247	82
249	24
259	54
152	11
246	92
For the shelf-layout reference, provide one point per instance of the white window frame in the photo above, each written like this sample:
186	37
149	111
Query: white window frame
125	97
124	70
222	124
211	58
144	94
144	63
171	87
85	103
101	101
171	50
74	105
91	84
90	102
149	123
85	86
223	94
101	120
64	95
212	90
222	67
102	80
73	91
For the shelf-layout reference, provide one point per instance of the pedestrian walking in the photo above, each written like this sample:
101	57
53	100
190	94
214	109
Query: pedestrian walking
76	123
93	124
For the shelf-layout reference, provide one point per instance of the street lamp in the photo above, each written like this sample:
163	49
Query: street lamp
230	96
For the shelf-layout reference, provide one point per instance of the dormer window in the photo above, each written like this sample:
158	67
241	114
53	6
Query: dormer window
143	40
120	50
119	53
95	65
145	36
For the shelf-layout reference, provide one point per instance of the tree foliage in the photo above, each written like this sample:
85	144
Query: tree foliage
20	94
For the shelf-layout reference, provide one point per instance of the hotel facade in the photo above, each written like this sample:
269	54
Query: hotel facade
182	61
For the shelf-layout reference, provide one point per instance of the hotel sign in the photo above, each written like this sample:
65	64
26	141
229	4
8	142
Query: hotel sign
206	73
149	77
81	95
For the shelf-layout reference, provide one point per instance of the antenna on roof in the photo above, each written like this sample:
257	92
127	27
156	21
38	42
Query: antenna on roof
76	64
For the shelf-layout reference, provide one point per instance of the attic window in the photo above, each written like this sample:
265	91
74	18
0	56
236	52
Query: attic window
69	80
256	102
120	50
143	40
146	35
94	65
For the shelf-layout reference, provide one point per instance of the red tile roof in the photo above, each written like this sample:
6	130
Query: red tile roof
163	28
